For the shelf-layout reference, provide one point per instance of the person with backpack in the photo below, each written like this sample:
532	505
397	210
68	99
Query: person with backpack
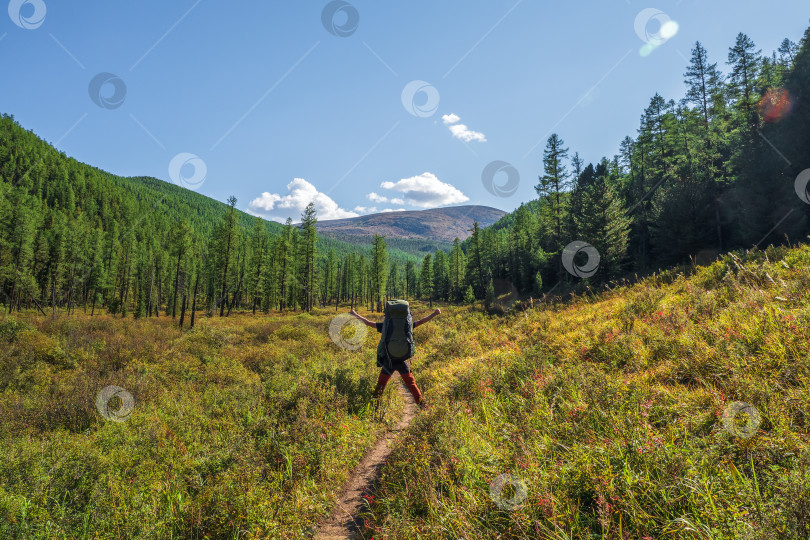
396	345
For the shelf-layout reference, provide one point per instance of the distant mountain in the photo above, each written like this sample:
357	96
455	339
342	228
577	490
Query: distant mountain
412	231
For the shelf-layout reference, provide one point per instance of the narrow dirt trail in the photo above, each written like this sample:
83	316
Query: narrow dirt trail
344	522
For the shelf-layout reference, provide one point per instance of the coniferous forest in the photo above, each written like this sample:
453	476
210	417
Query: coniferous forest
711	172
707	174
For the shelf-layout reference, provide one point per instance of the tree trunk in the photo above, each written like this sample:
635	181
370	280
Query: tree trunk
151	285
194	301
235	296
223	299
176	283
183	310
157	308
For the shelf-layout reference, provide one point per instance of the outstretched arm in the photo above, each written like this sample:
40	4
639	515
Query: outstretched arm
426	319
362	319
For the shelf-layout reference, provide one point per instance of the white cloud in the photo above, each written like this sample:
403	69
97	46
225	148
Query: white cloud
392	210
426	191
450	118
397	201
373	197
365	209
460	131
301	193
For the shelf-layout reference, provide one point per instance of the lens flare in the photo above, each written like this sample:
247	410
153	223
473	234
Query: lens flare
775	105
669	29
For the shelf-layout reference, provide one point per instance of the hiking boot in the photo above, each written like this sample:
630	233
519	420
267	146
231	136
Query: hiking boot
423	405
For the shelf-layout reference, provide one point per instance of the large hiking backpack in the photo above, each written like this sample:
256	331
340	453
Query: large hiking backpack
396	341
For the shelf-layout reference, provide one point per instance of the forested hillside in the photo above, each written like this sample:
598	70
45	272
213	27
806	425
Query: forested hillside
72	235
712	172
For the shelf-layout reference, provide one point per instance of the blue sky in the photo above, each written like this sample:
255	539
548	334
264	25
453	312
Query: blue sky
260	100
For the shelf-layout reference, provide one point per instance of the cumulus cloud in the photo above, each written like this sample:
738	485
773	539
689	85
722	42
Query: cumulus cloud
300	194
450	118
461	131
373	197
425	191
392	210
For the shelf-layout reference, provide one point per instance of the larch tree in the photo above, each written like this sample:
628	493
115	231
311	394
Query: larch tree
379	269
308	268
554	183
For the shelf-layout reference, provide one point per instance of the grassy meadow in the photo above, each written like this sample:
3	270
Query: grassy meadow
606	410
244	427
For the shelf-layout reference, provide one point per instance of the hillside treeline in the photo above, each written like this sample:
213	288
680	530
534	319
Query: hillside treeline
707	174
73	236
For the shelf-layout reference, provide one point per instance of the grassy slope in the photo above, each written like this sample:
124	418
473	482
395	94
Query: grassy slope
607	408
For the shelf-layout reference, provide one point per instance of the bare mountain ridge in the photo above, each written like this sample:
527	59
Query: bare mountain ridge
437	224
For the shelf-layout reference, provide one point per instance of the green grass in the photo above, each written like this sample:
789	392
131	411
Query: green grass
608	408
242	427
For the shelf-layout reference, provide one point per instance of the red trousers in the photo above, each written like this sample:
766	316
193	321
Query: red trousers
407	378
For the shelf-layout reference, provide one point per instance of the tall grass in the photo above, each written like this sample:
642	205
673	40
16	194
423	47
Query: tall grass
242	428
609	411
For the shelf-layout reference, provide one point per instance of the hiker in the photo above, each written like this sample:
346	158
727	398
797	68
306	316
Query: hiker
396	345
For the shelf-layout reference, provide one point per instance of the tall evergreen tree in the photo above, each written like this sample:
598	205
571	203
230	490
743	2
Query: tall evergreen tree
554	182
426	280
308	222
379	270
228	233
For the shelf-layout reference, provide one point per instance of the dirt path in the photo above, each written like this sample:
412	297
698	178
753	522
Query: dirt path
344	522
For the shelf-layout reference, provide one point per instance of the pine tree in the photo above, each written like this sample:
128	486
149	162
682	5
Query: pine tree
308	222
477	269
179	241
426	280
441	272
457	265
787	53
393	281
258	255
745	64
379	270
228	232
410	279
469	296
604	224
489	297
17	243
704	85
554	183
